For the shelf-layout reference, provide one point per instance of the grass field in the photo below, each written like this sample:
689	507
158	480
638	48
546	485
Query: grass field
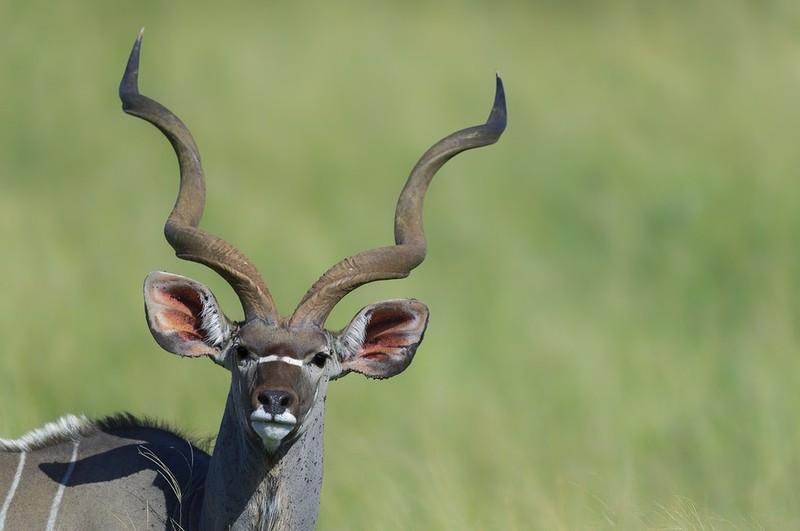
614	287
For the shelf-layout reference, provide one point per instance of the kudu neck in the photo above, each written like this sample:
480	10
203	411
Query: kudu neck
246	488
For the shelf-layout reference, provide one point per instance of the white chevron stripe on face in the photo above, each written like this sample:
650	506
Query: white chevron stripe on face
284	359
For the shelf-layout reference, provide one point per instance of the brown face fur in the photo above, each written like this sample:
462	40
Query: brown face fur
267	350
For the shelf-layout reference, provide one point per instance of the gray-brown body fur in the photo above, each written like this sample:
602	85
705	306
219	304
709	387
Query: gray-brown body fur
116	473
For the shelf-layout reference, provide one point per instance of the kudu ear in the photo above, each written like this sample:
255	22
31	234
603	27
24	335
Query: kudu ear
184	316
382	338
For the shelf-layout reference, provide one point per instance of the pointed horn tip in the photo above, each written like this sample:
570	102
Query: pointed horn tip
500	93
129	85
137	45
498	116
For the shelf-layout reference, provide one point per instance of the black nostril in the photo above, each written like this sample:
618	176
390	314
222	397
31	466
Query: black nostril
275	402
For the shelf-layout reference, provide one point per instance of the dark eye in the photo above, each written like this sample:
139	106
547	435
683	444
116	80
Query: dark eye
241	352
320	358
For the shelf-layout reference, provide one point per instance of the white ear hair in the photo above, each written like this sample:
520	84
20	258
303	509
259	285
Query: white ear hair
351	339
214	324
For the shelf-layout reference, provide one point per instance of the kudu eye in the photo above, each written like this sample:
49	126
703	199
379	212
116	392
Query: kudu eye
320	359
241	353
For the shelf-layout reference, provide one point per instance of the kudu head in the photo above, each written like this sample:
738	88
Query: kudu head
281	365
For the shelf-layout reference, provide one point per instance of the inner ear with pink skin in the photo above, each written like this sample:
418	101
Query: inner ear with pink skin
184	316
381	340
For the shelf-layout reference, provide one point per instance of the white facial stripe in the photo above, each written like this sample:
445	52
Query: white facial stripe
284	359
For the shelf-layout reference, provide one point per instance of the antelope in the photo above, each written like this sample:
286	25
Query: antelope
265	471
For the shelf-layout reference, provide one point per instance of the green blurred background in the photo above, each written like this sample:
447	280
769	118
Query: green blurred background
613	287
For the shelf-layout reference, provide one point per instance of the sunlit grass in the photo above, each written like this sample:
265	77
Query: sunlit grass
613	287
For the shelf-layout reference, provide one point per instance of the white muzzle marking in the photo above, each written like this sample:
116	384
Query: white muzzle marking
284	359
272	428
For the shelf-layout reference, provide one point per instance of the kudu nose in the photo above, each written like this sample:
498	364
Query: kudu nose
275	402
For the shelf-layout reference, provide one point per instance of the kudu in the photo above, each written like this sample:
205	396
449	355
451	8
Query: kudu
266	468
